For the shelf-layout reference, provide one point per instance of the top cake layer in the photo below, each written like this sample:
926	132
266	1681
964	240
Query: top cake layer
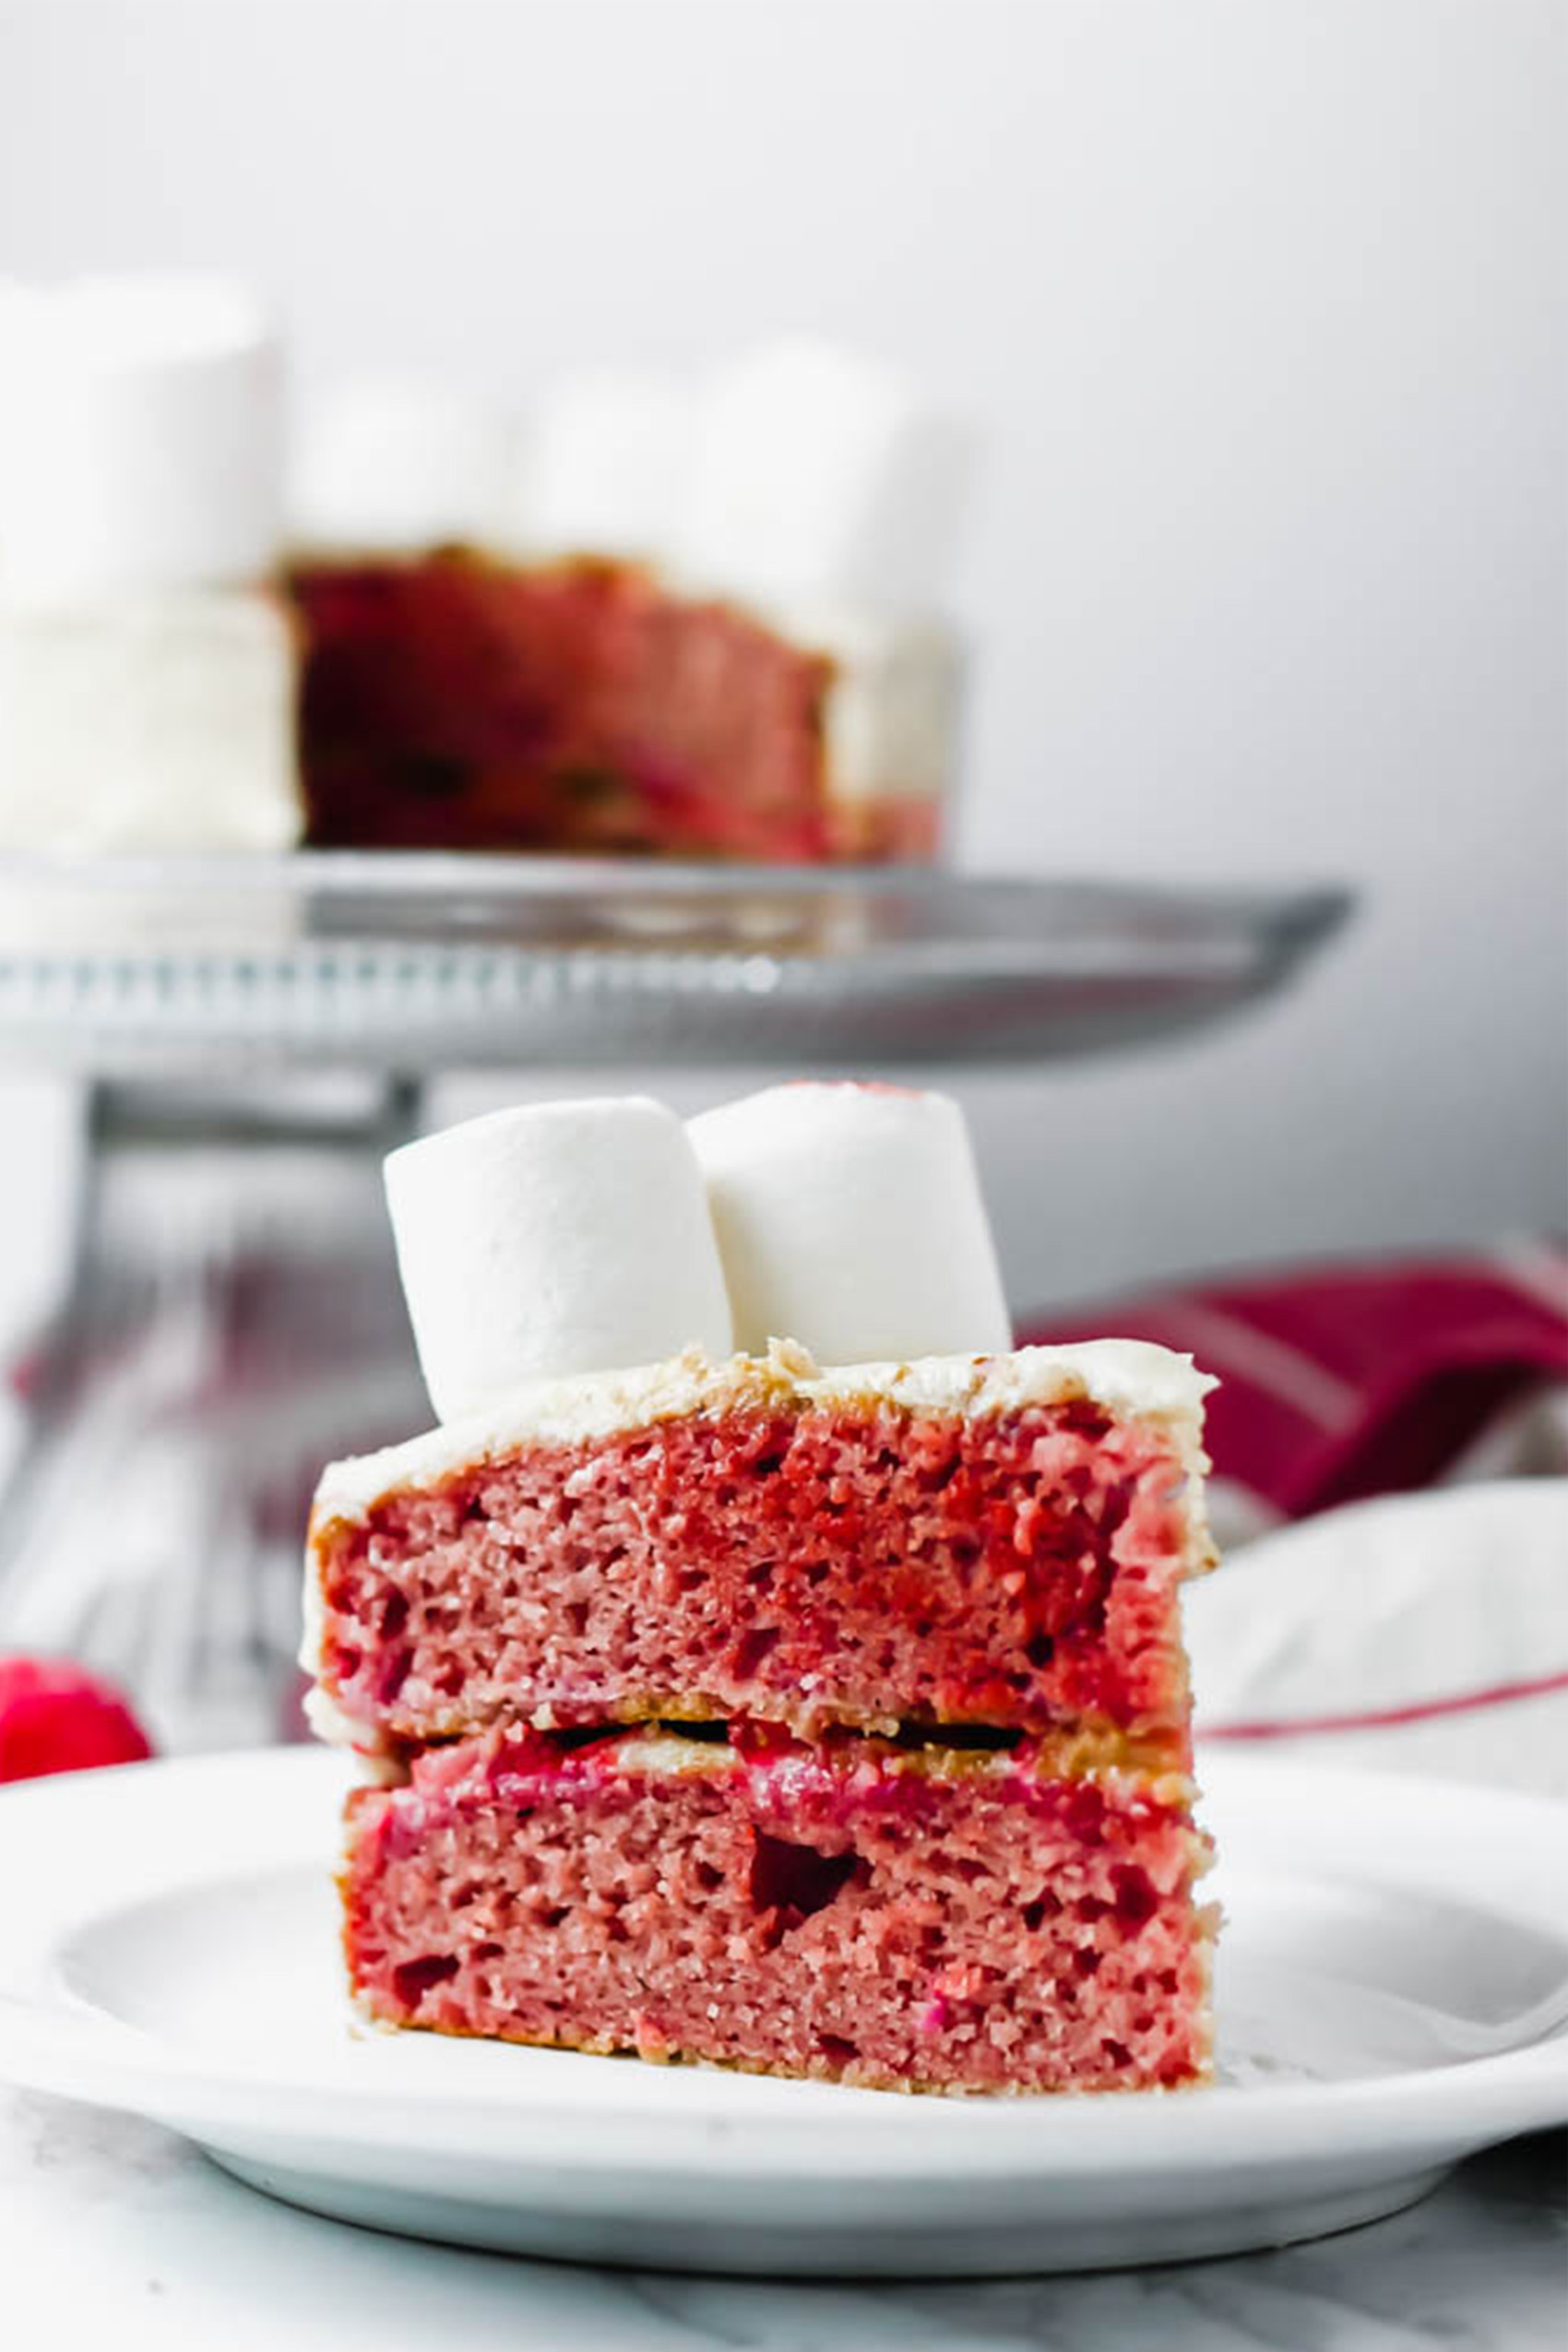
991	1540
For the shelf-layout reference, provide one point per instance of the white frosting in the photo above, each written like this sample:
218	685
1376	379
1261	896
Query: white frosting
143	439
849	1218
661	1752
1131	1378
161	721
666	1755
820	473
551	1240
890	722
394	464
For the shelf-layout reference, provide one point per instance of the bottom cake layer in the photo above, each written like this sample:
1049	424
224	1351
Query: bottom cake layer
918	1918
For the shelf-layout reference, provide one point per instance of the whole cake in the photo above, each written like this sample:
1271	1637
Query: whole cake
702	622
824	1720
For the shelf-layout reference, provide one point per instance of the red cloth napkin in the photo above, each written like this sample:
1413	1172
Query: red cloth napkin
1344	1382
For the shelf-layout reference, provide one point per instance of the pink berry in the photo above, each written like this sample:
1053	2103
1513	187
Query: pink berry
57	1718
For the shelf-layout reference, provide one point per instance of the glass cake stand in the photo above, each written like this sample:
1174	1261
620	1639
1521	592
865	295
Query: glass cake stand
254	1033
409	962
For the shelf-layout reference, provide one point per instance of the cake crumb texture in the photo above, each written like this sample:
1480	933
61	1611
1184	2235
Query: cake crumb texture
811	1562
852	1911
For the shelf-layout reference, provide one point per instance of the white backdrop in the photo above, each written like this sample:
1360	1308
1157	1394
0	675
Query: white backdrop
1262	308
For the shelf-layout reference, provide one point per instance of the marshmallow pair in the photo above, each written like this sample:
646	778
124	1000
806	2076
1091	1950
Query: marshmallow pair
586	1237
390	465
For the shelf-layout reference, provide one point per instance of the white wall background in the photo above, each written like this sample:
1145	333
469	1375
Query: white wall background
1262	307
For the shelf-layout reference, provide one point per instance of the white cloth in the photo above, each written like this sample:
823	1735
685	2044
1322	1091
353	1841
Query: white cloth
1424	1633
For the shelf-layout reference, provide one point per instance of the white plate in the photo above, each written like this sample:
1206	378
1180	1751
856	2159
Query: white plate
167	1947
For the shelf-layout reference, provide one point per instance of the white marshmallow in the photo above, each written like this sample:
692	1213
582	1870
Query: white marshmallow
392	464
601	468
818	473
850	1219
557	1238
143	432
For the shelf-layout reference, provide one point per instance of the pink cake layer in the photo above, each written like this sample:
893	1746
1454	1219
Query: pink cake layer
909	1920
810	1563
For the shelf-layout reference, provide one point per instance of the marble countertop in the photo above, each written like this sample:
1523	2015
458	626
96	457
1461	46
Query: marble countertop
103	2219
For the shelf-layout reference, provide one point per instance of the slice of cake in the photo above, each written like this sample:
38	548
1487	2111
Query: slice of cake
905	1800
